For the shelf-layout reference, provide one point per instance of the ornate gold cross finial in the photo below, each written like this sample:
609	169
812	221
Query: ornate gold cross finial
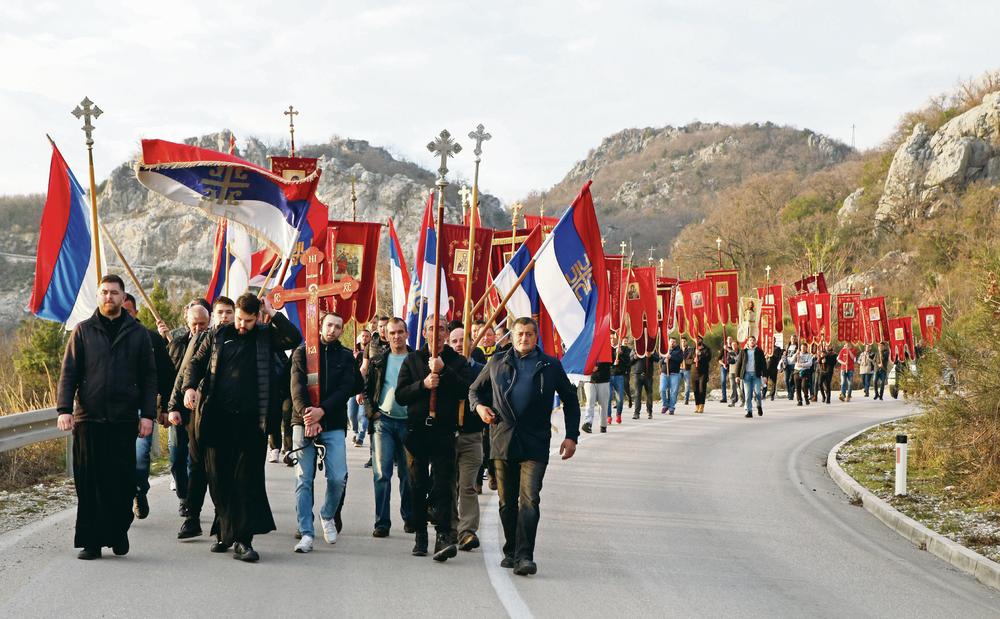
515	214
623	245
88	111
767	271
480	136
661	267
466	197
291	113
354	199
443	146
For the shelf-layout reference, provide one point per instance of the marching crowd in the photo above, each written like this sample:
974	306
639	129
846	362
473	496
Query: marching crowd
234	387
225	385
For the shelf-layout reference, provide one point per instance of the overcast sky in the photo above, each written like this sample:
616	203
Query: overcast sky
548	79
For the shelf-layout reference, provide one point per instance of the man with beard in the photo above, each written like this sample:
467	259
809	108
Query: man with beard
430	439
236	363
324	423
187	421
107	387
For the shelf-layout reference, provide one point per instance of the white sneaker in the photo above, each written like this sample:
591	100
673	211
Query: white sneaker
274	455
305	544
329	531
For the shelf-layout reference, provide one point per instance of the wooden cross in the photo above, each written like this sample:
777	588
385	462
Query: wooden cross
311	294
291	113
443	146
88	111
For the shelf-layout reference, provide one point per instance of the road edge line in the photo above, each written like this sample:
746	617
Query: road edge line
981	568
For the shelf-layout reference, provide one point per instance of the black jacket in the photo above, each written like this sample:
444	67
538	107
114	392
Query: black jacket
471	421
624	362
339	379
772	362
186	346
165	372
704	361
411	393
671	362
645	367
108	381
759	362
276	336
526	434
374	383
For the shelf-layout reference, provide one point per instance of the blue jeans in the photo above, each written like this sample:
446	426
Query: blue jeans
387	441
664	400
751	389
686	381
847	382
180	464
142	449
723	375
866	382
673	383
334	467
617	389
359	423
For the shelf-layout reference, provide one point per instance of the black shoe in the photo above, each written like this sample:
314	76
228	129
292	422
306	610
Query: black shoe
635	416
245	552
749	415
443	548
722	401
190	528
368	464
760	411
469	542
408	529
121	548
525	568
604	430
140	507
649	415
380	532
507	562
586	428
493	483
182	510
89	554
420	544
219	547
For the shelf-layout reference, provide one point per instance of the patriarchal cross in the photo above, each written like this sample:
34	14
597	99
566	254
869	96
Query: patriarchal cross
311	294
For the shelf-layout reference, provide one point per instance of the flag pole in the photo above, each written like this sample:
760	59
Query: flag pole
131	274
88	111
442	146
480	136
503	303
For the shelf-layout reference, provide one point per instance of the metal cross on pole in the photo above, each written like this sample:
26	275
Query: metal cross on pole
88	111
650	259
354	200
442	146
291	113
478	136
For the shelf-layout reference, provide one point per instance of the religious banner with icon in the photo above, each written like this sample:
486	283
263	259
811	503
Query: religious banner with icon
876	319
901	339
931	322
723	296
749	319
850	323
819	316
812	284
455	261
293	168
767	328
352	250
640	302
666	294
696	295
773	297
613	265
504	244
798	310
680	313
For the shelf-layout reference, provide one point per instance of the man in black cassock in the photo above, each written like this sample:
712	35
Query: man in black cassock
240	385
106	396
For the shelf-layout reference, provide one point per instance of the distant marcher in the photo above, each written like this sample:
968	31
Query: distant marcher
788	365
803	363
846	359
827	362
881	370
619	375
773	361
670	376
701	361
685	385
752	366
644	368
866	368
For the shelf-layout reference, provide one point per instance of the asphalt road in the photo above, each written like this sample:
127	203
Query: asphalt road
691	515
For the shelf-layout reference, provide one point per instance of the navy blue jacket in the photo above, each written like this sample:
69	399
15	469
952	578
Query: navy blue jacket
525	434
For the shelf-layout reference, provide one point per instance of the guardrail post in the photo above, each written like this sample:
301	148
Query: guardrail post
901	465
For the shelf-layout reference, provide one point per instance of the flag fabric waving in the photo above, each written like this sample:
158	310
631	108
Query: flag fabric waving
850	323
398	274
876	318
425	271
352	249
613	265
772	295
575	298
524	301
640	302
811	283
65	287
901	338
456	267
232	242
723	296
799	311
931	321
695	294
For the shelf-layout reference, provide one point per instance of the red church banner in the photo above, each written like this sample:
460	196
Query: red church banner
811	283
931	322
850	323
820	316
640	301
724	301
773	296
768	326
876	318
798	310
455	260
613	265
666	289
901	338
352	249
696	295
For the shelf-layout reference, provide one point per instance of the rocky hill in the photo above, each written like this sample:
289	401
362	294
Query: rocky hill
650	183
172	243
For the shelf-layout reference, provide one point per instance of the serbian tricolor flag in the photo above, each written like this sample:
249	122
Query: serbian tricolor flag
931	320
65	288
523	302
232	243
696	295
901	338
547	223
576	298
613	264
819	316
812	284
724	297
876	318
398	274
272	208
352	249
850	318
425	272
262	265
772	295
799	311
